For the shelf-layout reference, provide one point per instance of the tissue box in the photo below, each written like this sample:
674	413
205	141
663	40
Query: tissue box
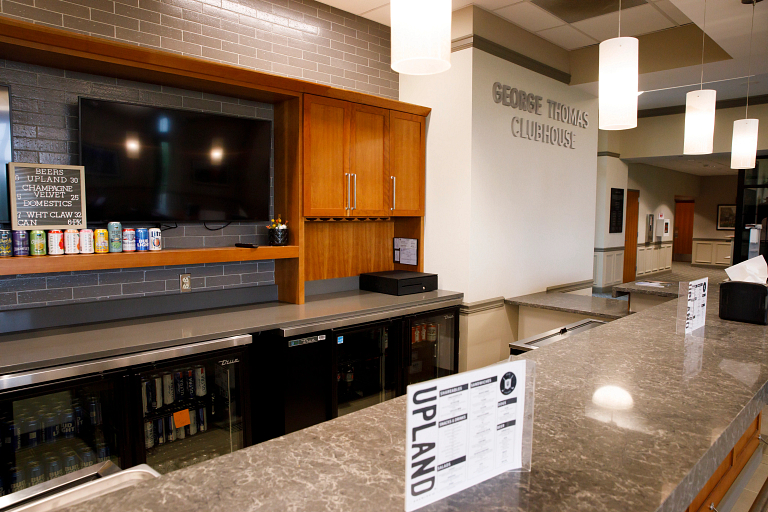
744	302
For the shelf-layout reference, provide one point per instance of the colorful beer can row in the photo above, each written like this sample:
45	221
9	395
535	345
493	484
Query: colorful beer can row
85	241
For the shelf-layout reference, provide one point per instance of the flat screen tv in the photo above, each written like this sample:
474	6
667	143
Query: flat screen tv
150	164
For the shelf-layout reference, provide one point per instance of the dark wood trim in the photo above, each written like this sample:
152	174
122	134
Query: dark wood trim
608	153
512	56
58	48
680	109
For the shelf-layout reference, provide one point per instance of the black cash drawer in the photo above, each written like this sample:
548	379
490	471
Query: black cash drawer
398	282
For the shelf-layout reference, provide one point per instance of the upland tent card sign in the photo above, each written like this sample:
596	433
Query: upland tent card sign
47	196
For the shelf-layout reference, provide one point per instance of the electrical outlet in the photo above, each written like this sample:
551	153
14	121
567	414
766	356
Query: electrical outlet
185	283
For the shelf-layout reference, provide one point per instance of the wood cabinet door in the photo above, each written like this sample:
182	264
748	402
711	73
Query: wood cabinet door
326	156
407	163
369	161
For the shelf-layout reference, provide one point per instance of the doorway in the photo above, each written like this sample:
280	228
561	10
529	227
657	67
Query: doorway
682	245
630	236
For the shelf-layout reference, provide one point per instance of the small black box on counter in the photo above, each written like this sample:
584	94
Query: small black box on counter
398	282
744	302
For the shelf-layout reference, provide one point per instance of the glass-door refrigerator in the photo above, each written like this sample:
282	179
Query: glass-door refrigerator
190	409
60	426
430	347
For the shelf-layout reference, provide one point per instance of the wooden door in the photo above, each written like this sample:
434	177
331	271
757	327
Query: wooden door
407	164
630	236
369	161
326	156
682	246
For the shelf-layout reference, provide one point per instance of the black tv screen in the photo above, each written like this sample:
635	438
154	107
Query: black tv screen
149	164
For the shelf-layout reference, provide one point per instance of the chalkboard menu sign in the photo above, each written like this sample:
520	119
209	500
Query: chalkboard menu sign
47	196
617	211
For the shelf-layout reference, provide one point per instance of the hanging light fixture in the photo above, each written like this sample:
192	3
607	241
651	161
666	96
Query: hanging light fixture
421	36
700	111
617	84
744	143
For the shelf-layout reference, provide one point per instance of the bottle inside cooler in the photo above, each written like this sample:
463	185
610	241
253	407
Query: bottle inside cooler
51	435
190	414
432	348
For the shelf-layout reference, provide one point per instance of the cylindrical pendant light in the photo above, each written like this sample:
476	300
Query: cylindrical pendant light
421	36
699	122
618	83
744	145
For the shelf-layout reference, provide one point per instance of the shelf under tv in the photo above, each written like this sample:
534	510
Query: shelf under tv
79	262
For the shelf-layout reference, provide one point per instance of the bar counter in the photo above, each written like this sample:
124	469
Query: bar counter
691	400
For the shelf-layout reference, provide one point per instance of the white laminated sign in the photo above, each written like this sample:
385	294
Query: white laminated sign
466	428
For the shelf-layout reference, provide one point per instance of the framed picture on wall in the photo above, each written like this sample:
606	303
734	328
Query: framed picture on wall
726	217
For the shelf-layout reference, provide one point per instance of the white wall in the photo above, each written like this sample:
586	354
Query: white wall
447	234
533	204
658	188
611	173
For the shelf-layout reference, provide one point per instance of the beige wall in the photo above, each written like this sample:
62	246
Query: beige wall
715	190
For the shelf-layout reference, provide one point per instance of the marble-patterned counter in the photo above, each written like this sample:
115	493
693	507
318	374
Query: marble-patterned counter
597	307
691	401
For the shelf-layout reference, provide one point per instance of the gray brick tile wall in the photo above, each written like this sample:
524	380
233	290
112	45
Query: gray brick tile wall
303	39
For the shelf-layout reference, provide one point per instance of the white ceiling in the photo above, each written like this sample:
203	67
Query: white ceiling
703	165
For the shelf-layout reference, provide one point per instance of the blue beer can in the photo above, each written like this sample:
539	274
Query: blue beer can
94	412
32	432
202	419
71	464
18	479
86	456
50	428
102	452
142	239
35	472
68	424
159	428
79	419
53	468
189	377
170	429
20	243
12	435
179	384
147	395
149	434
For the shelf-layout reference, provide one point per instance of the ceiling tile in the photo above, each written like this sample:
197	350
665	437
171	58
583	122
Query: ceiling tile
379	15
356	6
566	37
673	12
458	4
492	5
634	22
529	16
572	11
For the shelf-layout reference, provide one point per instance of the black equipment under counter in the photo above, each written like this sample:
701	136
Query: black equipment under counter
398	282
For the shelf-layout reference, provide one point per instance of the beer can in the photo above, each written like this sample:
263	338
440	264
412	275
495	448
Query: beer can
158	385
86	241
202	419
101	241
37	245
71	464
86	457
20	243
189	377
71	241
55	242
32	432
181	433
35	473
155	239
147	395
6	243
102	452
115	230
179	384
431	332
415	334
18	479
200	384
51	428
159	427
170	429
94	411
12	435
142	239
53	468
129	240
68	425
149	434
192	427
169	394
423	332
79	418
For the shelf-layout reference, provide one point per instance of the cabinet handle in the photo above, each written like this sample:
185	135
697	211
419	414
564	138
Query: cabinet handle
355	207
348	203
394	193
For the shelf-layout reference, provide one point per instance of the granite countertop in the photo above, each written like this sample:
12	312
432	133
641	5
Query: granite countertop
670	288
571	303
692	400
671	280
27	351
